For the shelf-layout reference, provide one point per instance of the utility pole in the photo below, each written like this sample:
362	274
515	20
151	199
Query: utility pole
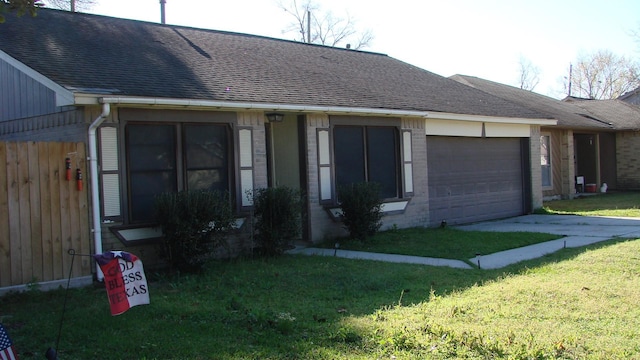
73	5
309	26
162	13
570	74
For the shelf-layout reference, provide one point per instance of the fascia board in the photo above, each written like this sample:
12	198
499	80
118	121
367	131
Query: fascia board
491	119
220	105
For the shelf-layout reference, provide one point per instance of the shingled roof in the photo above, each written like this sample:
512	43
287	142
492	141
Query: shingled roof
567	114
91	53
621	115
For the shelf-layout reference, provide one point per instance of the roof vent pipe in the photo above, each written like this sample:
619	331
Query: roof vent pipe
162	17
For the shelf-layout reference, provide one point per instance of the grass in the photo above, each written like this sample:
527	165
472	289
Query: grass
620	204
445	243
573	304
583	307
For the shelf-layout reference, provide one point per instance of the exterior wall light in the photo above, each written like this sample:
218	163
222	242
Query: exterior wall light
275	117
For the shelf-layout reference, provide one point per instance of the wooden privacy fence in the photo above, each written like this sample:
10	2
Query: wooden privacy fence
42	213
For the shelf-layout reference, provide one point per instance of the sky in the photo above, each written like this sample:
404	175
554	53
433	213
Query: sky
482	38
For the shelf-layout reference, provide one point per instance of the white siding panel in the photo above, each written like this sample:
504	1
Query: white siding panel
507	130
453	128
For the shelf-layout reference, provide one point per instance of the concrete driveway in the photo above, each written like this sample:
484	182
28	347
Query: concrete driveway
577	231
568	225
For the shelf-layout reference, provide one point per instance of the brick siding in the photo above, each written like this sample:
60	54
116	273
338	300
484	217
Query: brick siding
628	162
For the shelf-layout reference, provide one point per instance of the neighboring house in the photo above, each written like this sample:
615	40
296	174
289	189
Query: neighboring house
170	108
625	119
631	97
587	142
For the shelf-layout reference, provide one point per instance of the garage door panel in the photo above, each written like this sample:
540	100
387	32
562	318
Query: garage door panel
474	179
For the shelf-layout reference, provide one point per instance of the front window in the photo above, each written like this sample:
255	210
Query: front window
545	159
159	160
367	154
206	157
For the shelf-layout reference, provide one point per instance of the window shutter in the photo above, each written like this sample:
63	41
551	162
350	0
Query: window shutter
407	162
109	175
246	166
324	165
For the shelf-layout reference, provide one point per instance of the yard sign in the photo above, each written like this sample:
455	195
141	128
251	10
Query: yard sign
124	279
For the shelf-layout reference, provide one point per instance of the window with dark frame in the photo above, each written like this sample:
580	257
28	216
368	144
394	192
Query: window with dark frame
368	154
158	161
206	157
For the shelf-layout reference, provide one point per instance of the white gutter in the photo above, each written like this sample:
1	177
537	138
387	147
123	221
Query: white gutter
222	105
168	102
95	194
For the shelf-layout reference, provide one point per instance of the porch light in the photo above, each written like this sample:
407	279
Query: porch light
275	117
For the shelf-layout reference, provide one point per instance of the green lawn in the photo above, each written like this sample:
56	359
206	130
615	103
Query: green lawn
622	204
578	303
445	243
573	304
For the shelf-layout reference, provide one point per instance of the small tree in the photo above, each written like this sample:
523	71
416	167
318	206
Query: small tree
195	224
361	209
277	218
20	7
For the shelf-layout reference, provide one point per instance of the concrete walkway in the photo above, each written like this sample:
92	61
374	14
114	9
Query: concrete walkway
577	231
362	255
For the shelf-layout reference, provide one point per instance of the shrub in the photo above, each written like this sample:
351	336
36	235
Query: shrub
194	224
361	209
277	218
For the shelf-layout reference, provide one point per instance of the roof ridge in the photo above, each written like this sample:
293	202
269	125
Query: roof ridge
223	32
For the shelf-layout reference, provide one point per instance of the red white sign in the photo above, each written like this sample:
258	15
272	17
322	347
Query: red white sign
124	279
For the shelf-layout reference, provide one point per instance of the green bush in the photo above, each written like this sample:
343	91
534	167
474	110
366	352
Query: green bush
277	212
361	209
194	224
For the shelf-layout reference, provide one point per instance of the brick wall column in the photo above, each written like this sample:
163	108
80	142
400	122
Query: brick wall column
536	169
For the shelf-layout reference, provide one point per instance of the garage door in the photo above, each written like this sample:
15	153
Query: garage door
474	179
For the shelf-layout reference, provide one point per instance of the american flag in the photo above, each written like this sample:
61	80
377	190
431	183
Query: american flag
7	352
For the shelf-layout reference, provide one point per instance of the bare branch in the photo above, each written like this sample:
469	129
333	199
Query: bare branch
326	28
71	5
529	74
604	75
299	14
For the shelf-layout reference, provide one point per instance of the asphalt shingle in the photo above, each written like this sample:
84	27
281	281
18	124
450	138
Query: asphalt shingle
621	115
134	58
567	114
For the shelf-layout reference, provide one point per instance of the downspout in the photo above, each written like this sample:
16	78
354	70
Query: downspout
95	193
